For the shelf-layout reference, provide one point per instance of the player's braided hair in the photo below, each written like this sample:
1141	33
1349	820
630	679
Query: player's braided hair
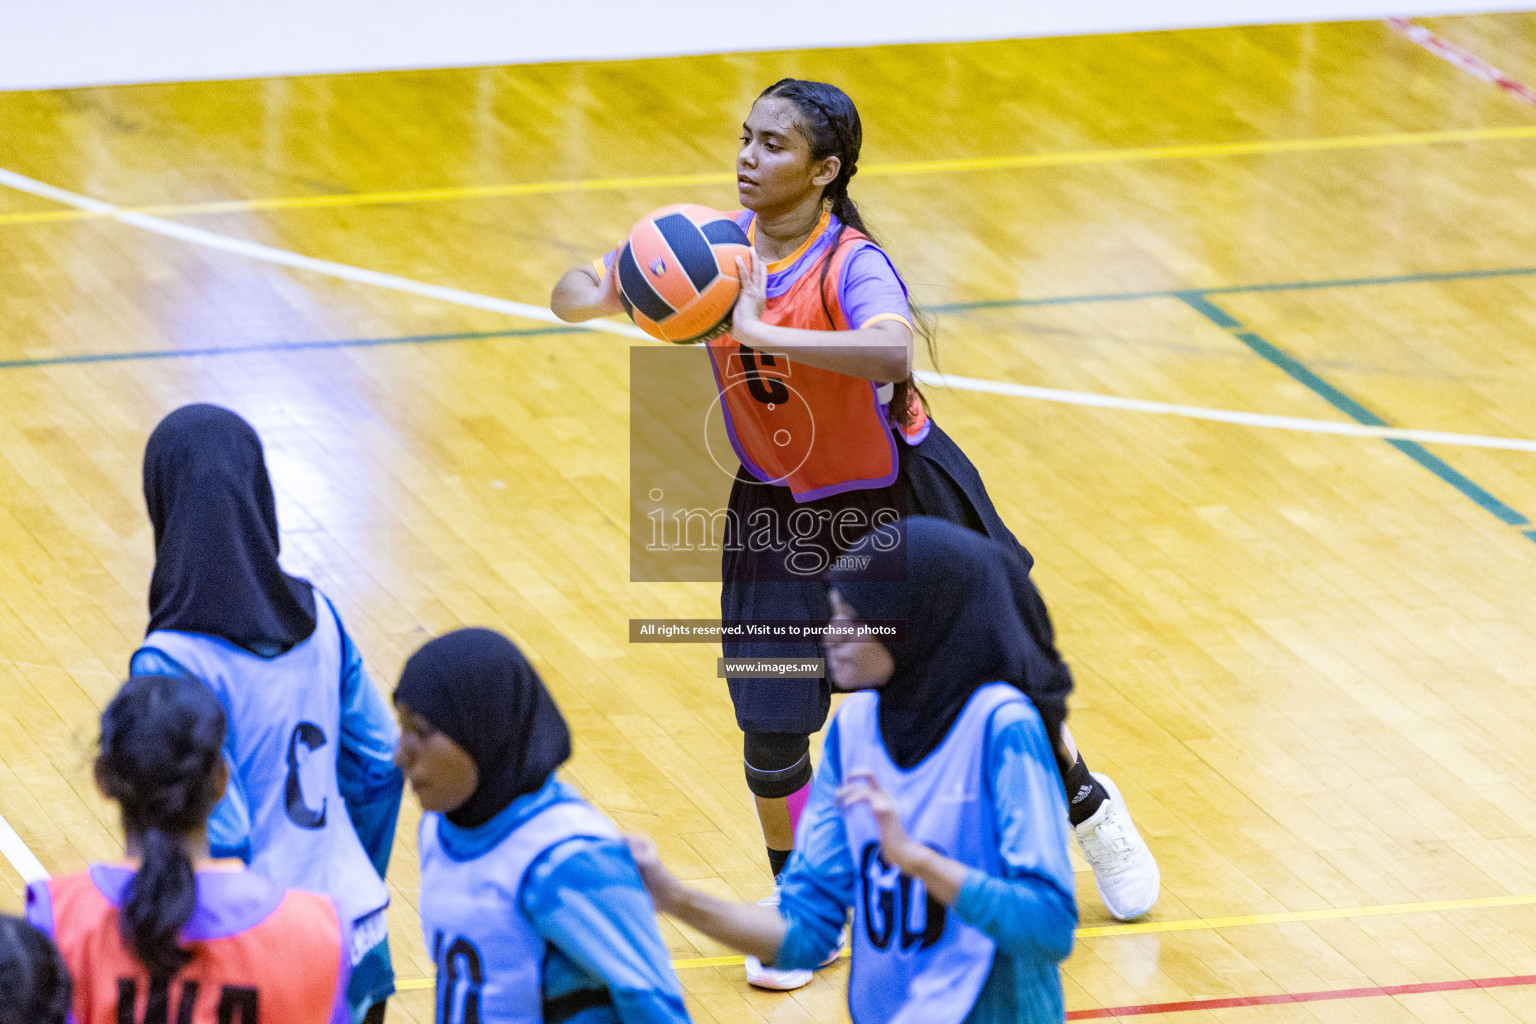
159	758
830	123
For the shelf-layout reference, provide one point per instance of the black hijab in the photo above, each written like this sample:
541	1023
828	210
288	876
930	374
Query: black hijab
965	627
476	686
216	543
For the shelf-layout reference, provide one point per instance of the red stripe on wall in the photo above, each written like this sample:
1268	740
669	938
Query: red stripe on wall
1467	61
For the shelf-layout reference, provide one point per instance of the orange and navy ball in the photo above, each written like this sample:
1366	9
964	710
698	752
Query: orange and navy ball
677	272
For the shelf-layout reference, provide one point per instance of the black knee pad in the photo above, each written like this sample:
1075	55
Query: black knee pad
778	763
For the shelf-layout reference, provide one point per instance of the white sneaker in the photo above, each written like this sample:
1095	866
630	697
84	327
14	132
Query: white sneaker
839	950
773	978
1124	869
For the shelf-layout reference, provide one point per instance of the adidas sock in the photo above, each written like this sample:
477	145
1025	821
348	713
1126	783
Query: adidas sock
1084	793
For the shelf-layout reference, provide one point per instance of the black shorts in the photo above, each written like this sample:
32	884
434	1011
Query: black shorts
935	478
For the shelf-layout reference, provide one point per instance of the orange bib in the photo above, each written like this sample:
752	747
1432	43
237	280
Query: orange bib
289	967
813	430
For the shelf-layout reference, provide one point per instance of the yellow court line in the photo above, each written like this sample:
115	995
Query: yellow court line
425	195
1193	151
1187	925
1290	917
43	216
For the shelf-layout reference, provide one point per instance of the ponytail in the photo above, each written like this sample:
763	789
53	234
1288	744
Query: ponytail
160	757
158	904
830	123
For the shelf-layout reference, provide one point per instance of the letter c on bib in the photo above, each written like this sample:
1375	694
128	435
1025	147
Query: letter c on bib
299	812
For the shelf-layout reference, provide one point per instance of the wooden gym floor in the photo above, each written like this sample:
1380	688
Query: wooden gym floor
1306	657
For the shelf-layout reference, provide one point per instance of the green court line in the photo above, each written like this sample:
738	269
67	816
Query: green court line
290	346
1182	294
1237	289
1300	372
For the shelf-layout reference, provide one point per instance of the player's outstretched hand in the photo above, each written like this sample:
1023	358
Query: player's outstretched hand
583	293
661	883
608	292
861	787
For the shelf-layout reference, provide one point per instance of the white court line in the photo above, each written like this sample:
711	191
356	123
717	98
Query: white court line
22	859
31	869
1249	419
282	257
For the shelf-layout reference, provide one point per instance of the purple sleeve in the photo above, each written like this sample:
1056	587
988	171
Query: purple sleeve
604	263
871	287
40	907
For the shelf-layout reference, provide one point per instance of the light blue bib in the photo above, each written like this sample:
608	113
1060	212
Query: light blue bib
490	961
913	961
284	732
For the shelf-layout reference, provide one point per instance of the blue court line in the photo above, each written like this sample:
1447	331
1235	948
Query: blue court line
285	346
1236	289
1186	295
1049	300
1298	371
1197	299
